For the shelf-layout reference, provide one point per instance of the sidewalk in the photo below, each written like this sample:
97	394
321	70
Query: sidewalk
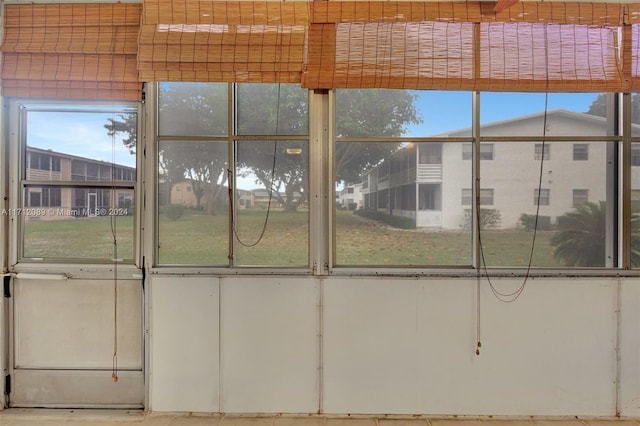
35	417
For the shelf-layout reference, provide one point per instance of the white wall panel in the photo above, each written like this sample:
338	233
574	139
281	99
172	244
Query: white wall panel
184	370
269	335
70	324
407	346
629	398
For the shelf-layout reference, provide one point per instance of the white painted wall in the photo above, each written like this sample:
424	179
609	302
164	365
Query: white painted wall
393	346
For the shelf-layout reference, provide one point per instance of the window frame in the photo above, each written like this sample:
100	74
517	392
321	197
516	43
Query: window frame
544	194
20	182
581	151
322	224
231	139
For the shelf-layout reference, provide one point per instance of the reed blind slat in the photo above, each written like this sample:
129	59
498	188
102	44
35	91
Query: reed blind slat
531	46
85	51
241	41
448	45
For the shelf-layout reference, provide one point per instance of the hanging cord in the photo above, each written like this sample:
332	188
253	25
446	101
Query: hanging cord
513	296
112	220
271	187
510	297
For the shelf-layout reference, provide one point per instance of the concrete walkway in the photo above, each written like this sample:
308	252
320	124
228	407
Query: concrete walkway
35	417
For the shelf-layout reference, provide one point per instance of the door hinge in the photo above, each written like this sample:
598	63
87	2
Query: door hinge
7	384
7	285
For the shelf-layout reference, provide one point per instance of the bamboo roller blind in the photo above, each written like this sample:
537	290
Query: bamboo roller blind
243	41
105	50
85	51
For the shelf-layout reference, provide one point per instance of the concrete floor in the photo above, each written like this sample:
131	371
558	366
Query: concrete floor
35	417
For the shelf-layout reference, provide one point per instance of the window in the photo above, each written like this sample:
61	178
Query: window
486	197
404	215
486	151
580	151
41	161
44	197
263	220
415	186
64	221
580	196
538	151
517	178
544	196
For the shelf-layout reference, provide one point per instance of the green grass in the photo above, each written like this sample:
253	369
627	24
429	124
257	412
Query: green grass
366	242
86	238
199	238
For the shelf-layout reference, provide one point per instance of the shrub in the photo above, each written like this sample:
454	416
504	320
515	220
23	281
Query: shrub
352	206
174	211
528	222
489	219
400	222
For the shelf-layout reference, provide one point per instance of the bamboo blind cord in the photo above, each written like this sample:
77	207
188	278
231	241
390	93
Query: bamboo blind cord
113	222
510	297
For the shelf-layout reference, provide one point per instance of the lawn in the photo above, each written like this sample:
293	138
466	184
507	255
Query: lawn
365	242
85	237
198	238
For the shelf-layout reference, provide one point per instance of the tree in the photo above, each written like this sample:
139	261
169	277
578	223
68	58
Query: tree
581	236
370	113
195	109
199	109
191	109
280	166
127	127
599	107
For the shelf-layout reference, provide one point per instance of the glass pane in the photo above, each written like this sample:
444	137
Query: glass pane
522	114
635	203
193	109
193	221
72	222
56	140
400	204
635	182
64	222
573	206
392	113
272	206
272	109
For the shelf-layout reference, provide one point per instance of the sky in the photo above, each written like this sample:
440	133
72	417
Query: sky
447	111
85	137
441	112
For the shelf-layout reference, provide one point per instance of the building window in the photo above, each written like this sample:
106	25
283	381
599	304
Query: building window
58	182
538	151
44	197
486	151
486	197
544	195
580	196
580	151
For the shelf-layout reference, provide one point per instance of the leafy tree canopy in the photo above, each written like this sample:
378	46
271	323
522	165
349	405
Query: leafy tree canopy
599	107
370	113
